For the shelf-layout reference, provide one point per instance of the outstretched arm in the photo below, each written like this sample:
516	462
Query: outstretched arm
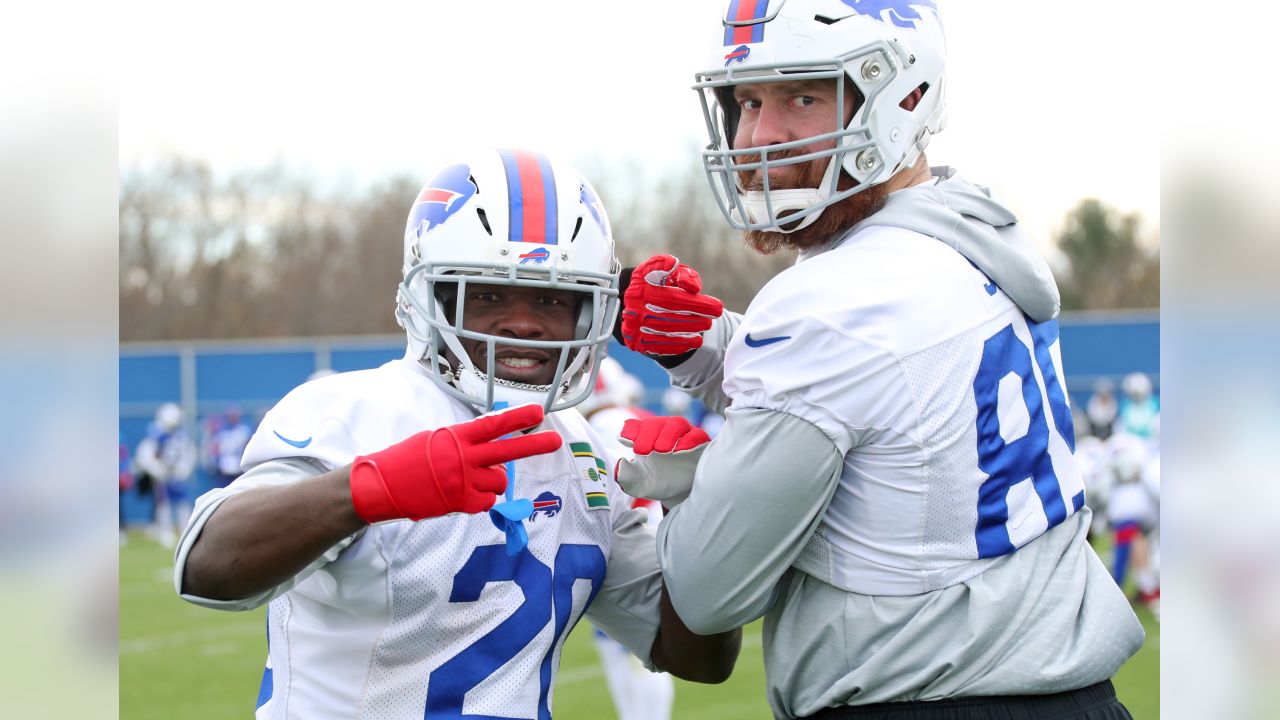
257	540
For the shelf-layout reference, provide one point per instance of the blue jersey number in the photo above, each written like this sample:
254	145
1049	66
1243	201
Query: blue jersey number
548	596
1010	463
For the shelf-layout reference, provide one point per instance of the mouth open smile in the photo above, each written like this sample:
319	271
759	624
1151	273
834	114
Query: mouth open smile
529	367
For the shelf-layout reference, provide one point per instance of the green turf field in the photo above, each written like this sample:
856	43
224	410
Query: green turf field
182	661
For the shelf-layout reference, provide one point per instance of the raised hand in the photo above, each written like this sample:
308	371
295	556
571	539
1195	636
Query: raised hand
667	450
664	311
447	470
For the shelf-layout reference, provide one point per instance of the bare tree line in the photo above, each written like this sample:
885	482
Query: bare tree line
267	253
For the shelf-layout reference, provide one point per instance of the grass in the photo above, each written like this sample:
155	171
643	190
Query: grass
178	660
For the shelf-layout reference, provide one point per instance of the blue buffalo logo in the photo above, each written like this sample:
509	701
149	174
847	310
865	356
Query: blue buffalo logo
444	196
902	13
739	54
535	256
546	503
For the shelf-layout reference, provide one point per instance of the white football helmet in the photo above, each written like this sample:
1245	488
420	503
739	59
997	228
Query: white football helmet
168	417
516	218
884	48
1137	386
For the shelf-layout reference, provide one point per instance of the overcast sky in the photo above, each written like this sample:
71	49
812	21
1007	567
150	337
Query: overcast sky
1049	103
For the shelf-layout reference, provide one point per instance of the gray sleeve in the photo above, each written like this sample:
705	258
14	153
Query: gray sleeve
702	374
275	472
627	606
760	491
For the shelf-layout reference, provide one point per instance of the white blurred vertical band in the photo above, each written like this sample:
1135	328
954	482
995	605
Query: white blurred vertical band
58	376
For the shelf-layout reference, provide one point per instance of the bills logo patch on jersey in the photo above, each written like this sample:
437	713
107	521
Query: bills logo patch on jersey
535	256
902	13
547	504
440	199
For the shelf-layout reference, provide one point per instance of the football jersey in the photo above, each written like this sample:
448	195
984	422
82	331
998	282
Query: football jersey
945	400
436	618
893	489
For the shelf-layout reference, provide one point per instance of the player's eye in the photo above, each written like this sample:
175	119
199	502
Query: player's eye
804	100
483	296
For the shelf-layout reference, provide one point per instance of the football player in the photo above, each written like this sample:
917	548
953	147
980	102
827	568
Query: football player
893	489
1133	512
163	463
423	555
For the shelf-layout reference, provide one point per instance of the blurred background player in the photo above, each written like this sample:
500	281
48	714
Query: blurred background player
637	693
1101	409
1095	469
163	463
126	482
1139	411
228	444
1133	514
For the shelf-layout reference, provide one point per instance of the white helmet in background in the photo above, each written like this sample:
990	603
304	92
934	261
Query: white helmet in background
1128	455
168	417
515	218
614	387
886	49
1137	386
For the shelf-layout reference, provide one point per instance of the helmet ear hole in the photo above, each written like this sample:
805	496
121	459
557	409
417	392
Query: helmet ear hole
484	220
913	98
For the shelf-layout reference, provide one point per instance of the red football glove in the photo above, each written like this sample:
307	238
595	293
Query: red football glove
663	434
452	469
667	451
663	310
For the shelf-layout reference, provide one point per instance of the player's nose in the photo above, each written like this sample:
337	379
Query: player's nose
770	127
521	318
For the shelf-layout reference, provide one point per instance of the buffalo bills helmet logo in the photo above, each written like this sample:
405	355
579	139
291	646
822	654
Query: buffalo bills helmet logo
546	503
535	256
739	54
441	198
902	13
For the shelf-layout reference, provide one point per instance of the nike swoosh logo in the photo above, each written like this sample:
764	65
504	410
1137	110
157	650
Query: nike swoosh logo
752	342
295	443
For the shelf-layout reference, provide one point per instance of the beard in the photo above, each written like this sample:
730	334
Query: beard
830	222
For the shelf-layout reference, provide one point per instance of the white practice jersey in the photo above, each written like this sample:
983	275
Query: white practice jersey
435	619
894	489
944	398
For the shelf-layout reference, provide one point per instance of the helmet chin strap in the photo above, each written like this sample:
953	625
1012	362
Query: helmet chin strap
757	202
